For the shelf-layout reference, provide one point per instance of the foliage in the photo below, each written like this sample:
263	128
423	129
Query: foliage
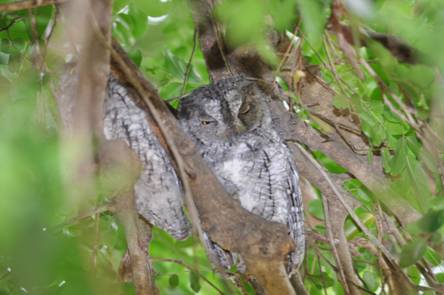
42	254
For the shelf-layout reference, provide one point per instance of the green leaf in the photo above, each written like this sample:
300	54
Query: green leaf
341	102
18	31
412	252
440	277
431	221
195	281
358	190
136	57
371	280
152	7
398	162
313	19
119	5
173	281
322	280
139	21
328	163
4	58
372	121
174	65
315	208
283	14
394	125
244	20
386	159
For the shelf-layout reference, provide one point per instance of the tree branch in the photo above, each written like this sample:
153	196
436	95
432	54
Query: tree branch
221	60
27	4
118	164
336	215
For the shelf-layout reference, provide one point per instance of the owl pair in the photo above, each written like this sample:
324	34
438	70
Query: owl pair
231	125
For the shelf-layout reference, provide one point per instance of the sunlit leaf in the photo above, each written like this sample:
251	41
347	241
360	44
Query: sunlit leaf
412	252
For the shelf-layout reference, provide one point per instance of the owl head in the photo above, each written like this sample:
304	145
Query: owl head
226	109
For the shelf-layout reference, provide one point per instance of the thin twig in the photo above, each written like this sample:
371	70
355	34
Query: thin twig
332	243
353	215
219	38
28	4
286	54
37	58
329	46
13	21
107	207
190	267
96	240
188	68
47	34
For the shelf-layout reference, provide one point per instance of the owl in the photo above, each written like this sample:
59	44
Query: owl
231	124
158	191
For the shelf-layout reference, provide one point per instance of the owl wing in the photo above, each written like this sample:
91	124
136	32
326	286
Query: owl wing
295	217
158	190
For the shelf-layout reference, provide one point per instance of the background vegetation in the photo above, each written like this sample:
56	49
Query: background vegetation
396	104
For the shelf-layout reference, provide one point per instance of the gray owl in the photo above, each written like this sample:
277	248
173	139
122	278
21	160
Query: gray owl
158	191
231	125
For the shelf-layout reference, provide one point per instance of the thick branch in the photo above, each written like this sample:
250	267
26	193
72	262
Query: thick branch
337	214
119	166
333	146
220	58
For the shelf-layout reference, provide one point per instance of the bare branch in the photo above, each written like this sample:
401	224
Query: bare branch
335	215
27	4
350	211
189	66
93	37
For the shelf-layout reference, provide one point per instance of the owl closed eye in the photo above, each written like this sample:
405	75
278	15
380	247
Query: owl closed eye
248	113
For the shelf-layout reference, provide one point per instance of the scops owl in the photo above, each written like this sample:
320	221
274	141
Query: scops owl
232	127
158	191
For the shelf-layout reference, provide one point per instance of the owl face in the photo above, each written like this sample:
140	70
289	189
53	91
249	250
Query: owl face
206	119
223	111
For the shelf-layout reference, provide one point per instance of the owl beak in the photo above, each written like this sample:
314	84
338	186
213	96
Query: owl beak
239	128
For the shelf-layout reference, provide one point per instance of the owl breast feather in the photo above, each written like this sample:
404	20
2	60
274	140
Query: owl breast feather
266	183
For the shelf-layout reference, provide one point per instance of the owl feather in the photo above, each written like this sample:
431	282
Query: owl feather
158	191
231	124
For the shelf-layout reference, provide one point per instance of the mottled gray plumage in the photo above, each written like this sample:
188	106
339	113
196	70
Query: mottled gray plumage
231	124
158	190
